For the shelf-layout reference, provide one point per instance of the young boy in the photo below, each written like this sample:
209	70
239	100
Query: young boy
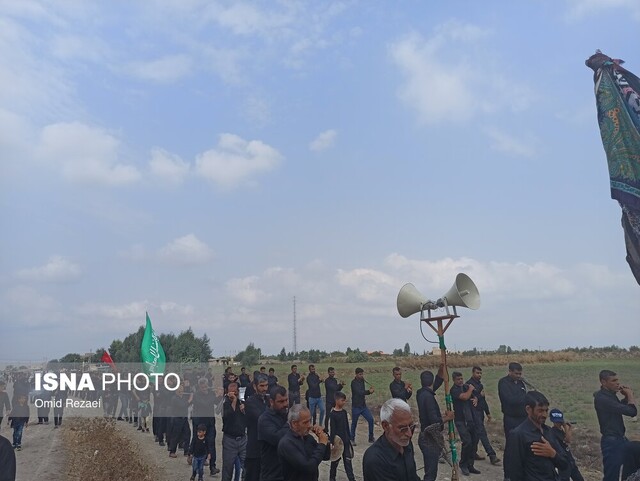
19	419
562	432
198	452
339	426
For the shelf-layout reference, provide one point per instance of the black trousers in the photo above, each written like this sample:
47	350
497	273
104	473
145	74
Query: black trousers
252	469
509	423
430	457
469	438
179	433
482	435
348	468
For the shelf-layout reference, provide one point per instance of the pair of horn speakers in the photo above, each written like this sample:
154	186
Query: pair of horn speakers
463	293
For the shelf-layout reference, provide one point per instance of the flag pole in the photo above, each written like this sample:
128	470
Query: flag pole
440	328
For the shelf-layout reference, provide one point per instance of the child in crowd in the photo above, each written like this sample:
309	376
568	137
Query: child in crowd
19	419
198	453
563	434
339	426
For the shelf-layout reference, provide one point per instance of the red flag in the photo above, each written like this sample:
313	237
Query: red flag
106	357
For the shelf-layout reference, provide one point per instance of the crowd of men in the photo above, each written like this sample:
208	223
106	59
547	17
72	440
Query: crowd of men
272	433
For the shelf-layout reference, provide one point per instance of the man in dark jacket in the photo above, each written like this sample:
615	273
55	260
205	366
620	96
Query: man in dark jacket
532	452
253	409
391	457
204	402
300	454
315	396
480	408
359	405
295	380
234	429
272	426
610	409
332	386
512	391
399	389
432	422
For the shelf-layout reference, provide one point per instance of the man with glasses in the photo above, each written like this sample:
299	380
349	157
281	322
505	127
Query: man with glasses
391	457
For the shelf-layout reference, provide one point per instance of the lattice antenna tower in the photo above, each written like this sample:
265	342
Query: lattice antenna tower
295	332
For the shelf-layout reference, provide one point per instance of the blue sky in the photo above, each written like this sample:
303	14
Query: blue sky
208	161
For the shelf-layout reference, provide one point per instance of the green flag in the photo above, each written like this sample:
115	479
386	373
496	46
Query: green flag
151	352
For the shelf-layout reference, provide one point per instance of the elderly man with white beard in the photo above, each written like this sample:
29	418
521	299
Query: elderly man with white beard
391	457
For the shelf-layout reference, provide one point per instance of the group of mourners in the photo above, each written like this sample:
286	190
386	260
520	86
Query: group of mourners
269	434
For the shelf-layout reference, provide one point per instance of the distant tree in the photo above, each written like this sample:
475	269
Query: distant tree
283	355
71	358
407	349
357	356
250	356
398	352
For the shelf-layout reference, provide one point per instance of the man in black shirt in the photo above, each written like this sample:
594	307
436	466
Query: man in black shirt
244	379
391	457
562	432
332	386
295	380
610	409
532	452
7	460
480	408
315	396
461	394
512	392
234	425
272	426
4	401
254	407
300	454
273	380
359	405
178	432
204	402
430	440
398	387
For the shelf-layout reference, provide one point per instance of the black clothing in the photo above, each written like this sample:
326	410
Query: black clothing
482	405
332	387
294	382
610	411
339	426
234	422
520	464
244	380
253	408
301	456
512	395
382	462
178	406
313	381
398	390
19	414
178	432
461	409
428	408
272	426
4	402
204	404
199	447
273	380
358	392
572	472
7	460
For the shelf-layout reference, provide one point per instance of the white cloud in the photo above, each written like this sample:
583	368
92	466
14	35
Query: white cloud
57	269
163	70
167	167
183	251
245	290
85	154
445	75
187	250
236	160
582	8
324	140
26	307
504	142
